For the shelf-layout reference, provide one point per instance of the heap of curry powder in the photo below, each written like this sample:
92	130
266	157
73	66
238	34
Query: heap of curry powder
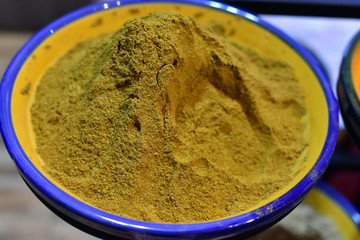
167	121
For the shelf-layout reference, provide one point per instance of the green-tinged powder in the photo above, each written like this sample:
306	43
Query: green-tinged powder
167	121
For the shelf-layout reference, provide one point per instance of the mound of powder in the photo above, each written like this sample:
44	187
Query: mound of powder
167	121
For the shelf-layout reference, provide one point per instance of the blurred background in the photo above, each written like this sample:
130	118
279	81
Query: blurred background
324	27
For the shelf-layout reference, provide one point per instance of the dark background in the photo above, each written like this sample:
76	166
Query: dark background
32	15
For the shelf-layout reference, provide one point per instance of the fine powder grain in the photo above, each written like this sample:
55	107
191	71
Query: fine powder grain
167	121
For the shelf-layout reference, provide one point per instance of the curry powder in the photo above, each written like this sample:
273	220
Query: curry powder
168	121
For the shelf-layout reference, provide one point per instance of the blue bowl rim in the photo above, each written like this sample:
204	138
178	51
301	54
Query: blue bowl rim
352	99
342	202
245	221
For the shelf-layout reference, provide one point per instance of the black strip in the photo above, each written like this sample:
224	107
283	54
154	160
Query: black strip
334	8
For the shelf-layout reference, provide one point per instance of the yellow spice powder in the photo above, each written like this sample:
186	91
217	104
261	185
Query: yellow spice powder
167	121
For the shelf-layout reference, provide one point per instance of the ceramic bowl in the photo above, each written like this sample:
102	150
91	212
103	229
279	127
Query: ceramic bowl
20	80
348	88
341	216
328	202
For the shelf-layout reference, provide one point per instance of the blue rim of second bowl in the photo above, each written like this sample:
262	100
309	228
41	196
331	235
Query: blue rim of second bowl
351	211
346	74
248	220
349	100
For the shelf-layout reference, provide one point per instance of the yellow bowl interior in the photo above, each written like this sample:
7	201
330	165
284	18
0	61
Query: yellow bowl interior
247	33
355	69
326	206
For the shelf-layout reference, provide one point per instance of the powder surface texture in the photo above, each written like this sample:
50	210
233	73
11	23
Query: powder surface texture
167	121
